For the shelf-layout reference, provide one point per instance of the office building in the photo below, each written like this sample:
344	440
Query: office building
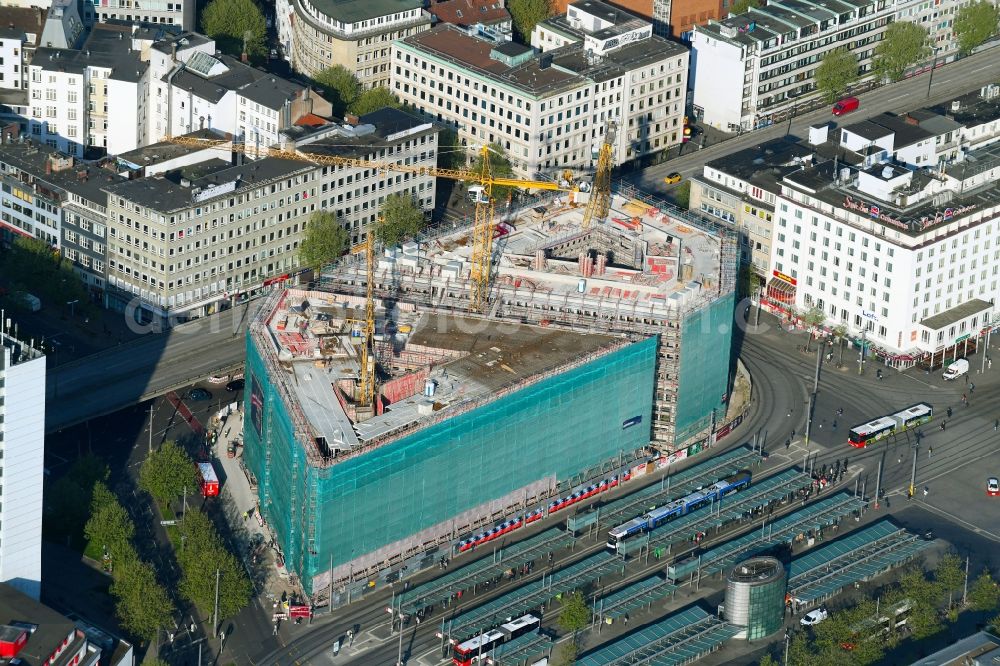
22	436
549	110
317	34
192	239
752	68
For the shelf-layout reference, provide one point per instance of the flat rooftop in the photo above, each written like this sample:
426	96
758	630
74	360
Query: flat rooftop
312	334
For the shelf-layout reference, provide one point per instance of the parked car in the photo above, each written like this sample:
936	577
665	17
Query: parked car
846	105
235	385
673	178
993	487
814	617
199	394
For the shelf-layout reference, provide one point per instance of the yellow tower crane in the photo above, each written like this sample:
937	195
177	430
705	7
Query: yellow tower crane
483	230
366	375
599	204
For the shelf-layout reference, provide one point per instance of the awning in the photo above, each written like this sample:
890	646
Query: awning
781	291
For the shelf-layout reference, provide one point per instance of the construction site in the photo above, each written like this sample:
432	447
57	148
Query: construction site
388	418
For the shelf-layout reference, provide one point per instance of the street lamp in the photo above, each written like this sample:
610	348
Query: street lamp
72	308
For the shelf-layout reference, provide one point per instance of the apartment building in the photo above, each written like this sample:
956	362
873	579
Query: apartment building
316	34
22	436
549	110
938	18
492	15
180	13
93	100
751	67
55	198
20	32
190	240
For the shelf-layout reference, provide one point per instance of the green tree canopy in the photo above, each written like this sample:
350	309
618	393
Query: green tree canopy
499	167
340	86
950	575
525	14
924	620
142	605
837	72
68	502
682	195
402	219
32	265
565	654
743	6
975	23
229	21
373	100
110	526
575	613
451	153
903	45
984	595
325	240
202	554
767	660
167	471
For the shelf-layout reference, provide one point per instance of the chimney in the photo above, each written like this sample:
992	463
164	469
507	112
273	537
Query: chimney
351	119
48	166
910	120
244	58
173	51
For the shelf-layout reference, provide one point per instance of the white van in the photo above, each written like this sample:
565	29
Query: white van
956	369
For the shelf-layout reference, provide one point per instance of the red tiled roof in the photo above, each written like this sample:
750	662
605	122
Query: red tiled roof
470	12
310	120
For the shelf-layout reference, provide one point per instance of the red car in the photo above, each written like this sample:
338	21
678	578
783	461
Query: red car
846	105
993	487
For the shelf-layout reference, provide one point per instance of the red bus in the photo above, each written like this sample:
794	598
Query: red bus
208	480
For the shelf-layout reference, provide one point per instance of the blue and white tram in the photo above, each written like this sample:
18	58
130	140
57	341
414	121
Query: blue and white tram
679	507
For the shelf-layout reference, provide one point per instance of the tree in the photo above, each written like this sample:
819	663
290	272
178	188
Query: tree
325	240
837	72
575	613
799	651
451	152
903	45
402	219
813	318
373	100
142	605
924	620
984	595
841	333
201	555
974	24
525	14
743	6
950	574
229	21
166	472
341	87
767	660
565	654
69	499
682	195
110	526
499	167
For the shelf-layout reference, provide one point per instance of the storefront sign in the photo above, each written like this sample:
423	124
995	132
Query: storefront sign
787	278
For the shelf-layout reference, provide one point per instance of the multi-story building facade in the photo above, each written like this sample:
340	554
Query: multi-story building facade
20	30
549	110
22	435
317	34
906	254
90	100
750	67
191	240
180	13
54	198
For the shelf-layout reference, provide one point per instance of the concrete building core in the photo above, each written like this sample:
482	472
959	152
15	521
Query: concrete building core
480	418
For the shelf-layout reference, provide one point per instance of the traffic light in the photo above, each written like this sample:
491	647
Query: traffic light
687	130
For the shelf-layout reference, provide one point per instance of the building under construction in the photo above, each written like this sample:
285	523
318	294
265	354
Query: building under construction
596	342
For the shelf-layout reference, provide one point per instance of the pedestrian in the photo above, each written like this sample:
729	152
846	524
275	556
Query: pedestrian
227	431
989	363
996	425
972	388
245	516
900	460
964	398
926	490
625	619
834	425
930	452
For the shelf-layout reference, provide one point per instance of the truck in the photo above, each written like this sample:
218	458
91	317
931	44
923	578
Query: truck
956	369
208	479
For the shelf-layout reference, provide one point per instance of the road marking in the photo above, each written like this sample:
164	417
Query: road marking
979	69
919	381
952	517
898	97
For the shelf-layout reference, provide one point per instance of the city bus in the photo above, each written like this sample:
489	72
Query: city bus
862	435
880	625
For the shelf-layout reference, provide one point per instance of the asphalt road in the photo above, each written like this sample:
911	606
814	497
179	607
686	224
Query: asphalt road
145	367
950	81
